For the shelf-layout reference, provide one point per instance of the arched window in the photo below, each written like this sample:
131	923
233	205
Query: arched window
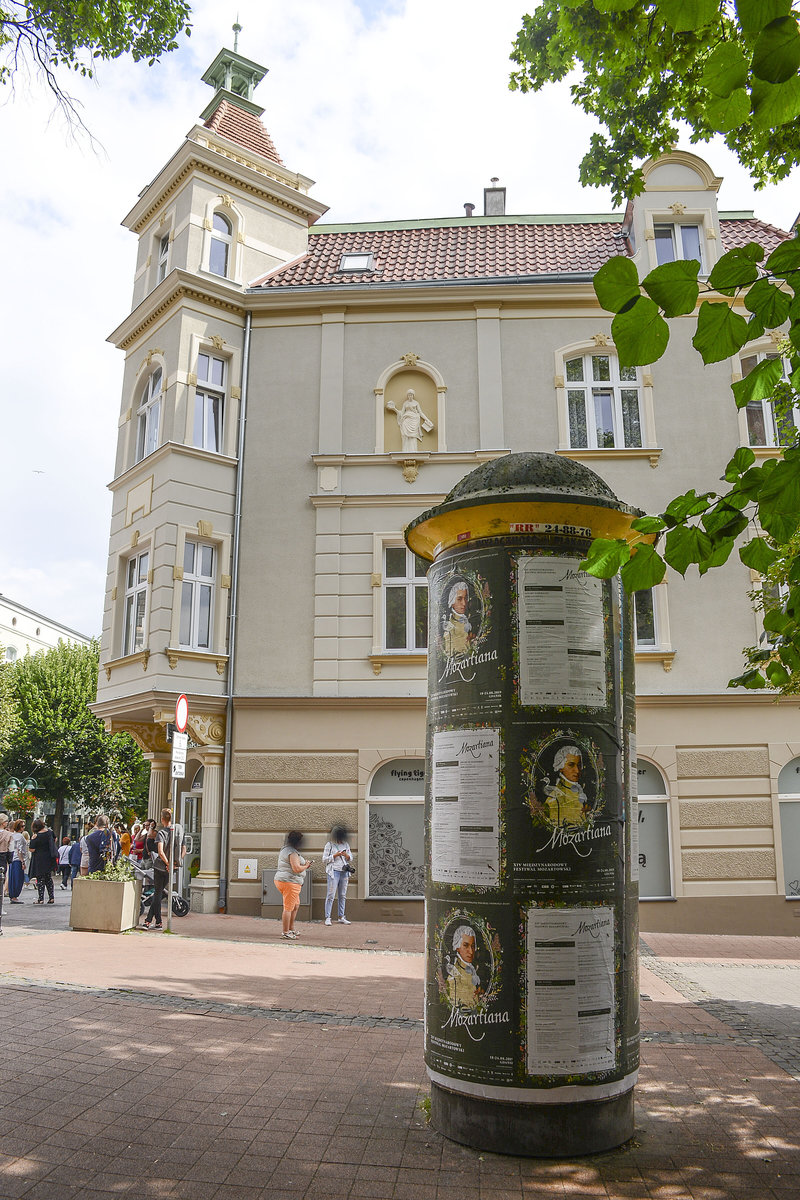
655	859
603	403
220	248
396	830
789	809
149	416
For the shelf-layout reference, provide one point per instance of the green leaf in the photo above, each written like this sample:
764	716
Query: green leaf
729	112
687	15
648	525
769	302
776	621
718	556
742	459
616	284
784	258
775	104
614	6
779	499
605	557
755	328
790	656
725	70
724	520
760	383
750	679
674	287
645	569
640	333
689	505
777	674
758	555
776	56
733	270
687	544
755	14
720	332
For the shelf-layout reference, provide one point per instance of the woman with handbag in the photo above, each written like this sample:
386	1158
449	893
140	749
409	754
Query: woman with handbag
289	878
337	857
43	859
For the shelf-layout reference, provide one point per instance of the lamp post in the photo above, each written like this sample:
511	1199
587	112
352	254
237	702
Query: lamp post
17	789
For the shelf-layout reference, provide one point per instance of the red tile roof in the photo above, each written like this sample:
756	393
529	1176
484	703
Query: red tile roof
462	249
243	127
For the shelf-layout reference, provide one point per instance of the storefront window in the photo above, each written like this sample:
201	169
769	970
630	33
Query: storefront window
396	832
789	808
655	875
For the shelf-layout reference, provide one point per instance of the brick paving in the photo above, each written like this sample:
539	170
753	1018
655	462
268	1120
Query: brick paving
185	1067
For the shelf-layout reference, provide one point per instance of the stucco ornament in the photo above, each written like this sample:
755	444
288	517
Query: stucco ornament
412	421
601	339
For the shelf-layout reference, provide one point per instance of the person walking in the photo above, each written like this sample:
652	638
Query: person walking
170	849
19	862
63	862
6	855
74	858
336	858
43	860
100	845
289	878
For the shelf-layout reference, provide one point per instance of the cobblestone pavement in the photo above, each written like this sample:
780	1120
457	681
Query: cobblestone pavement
147	1091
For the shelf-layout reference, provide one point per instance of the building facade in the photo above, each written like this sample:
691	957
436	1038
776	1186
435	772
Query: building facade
294	394
23	631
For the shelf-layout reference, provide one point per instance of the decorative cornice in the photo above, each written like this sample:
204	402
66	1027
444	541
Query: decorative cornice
176	654
665	657
379	661
182	286
145	465
653	453
142	656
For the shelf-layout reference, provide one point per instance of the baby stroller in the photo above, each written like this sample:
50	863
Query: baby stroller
142	871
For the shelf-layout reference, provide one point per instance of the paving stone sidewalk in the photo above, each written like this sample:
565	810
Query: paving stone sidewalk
114	1089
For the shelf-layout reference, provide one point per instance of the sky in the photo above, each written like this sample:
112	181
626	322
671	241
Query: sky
397	108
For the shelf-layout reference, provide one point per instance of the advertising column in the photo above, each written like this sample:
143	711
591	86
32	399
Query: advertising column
532	1032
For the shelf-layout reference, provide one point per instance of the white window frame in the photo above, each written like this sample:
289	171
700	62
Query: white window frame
379	801
411	583
760	351
602	345
205	394
132	591
783	798
676	228
148	415
197	582
359	261
162	257
227	240
665	799
589	386
702	218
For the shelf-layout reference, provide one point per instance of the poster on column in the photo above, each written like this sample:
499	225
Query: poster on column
472	1009
561	641
465	807
466	607
571	992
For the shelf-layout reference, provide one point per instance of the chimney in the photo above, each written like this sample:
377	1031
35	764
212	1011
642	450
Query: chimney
494	199
469	209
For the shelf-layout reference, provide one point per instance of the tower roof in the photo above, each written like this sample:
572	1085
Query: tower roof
232	112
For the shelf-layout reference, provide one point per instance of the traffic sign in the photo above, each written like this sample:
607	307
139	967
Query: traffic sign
178	769
181	713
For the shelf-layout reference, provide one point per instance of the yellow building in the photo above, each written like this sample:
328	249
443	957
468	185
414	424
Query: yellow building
295	393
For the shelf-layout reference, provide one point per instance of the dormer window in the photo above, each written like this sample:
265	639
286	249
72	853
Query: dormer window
356	262
221	239
678	241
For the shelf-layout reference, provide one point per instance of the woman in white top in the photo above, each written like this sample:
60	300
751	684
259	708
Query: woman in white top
289	877
337	856
19	862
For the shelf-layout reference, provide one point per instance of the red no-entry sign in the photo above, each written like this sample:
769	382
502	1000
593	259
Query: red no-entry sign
181	713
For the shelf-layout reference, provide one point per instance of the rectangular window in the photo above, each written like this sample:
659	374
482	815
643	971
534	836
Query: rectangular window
209	403
396	848
356	262
133	636
149	417
766	425
163	255
677	242
645	625
602	403
654	857
405	600
197	596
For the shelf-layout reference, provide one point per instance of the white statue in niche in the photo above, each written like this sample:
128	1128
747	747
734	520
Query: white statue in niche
412	421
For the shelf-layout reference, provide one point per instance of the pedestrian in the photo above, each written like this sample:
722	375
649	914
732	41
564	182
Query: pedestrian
124	841
100	845
44	858
63	862
337	857
289	878
170	849
6	855
74	861
19	862
87	829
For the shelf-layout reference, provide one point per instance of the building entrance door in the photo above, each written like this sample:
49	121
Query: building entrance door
191	814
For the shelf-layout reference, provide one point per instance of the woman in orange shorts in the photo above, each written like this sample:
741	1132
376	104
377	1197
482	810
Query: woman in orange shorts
288	879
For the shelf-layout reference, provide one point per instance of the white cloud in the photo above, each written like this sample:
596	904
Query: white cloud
397	109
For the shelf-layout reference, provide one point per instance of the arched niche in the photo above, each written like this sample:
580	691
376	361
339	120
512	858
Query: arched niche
409	374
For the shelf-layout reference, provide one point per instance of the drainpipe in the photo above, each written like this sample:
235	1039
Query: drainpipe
237	518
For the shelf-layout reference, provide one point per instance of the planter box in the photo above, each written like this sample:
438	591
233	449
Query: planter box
104	906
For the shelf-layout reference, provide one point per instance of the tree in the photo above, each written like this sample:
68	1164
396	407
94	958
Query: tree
722	68
57	740
47	37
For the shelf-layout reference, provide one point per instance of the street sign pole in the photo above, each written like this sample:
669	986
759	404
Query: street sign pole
180	741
